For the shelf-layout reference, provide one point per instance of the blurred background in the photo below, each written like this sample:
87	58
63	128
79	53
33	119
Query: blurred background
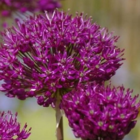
122	17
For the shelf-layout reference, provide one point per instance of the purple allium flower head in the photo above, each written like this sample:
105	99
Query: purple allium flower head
10	128
48	56
98	112
8	6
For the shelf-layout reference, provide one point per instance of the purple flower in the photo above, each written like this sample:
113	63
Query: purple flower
48	56
8	6
10	128
48	5
98	112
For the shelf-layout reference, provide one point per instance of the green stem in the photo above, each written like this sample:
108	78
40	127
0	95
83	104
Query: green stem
59	130
59	121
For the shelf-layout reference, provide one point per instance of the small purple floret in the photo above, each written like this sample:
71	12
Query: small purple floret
98	112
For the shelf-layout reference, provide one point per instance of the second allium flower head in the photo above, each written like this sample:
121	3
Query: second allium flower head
48	56
98	112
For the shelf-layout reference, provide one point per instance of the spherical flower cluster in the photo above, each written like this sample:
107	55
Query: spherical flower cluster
8	6
48	56
100	113
10	128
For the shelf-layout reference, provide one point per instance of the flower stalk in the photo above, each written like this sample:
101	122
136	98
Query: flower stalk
59	119
60	135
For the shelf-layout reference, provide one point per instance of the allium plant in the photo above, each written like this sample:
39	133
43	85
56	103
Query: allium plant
10	128
64	61
98	112
9	6
47	56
